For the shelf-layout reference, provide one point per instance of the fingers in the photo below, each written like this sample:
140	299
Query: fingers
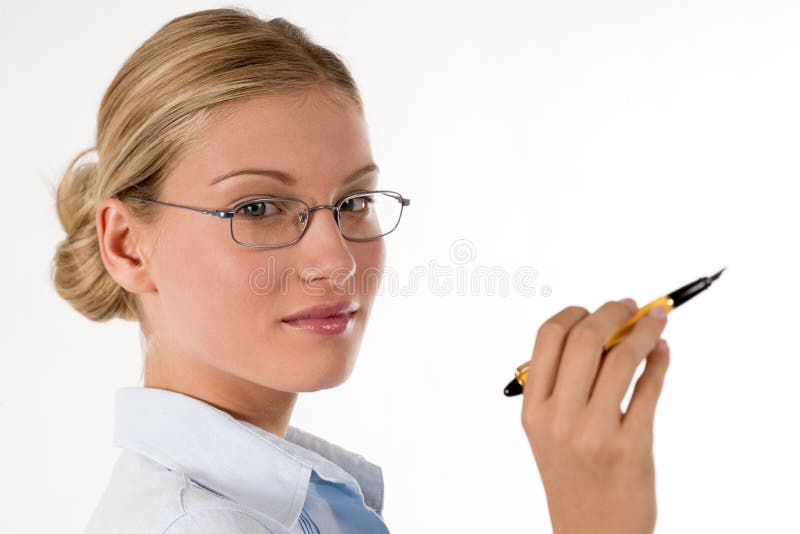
621	362
547	350
583	349
640	414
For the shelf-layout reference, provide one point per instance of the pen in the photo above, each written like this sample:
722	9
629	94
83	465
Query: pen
669	302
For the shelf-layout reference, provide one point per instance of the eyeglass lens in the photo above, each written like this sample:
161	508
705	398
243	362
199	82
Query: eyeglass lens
277	222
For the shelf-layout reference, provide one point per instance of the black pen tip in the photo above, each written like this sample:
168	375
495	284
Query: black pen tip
715	276
513	388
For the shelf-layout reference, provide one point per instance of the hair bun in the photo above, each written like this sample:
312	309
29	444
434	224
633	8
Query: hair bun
77	269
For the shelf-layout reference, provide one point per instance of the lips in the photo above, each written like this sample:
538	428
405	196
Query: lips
324	310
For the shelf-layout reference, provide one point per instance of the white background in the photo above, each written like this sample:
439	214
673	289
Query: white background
619	148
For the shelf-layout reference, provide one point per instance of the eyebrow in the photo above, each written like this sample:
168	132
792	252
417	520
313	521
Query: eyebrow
289	179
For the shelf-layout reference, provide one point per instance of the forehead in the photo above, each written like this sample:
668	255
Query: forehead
308	135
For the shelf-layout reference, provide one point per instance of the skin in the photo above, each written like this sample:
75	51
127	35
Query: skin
212	335
596	462
214	338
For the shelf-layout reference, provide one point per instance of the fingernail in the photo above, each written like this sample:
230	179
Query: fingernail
630	303
661	346
657	312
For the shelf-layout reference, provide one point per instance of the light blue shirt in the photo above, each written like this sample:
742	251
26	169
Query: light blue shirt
189	467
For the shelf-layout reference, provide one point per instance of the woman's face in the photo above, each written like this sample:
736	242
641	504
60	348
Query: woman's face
222	304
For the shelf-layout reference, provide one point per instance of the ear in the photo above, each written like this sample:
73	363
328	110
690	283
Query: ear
121	245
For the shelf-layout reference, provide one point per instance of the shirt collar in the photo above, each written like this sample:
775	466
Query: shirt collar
236	458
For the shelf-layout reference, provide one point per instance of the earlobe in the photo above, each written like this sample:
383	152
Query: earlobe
119	241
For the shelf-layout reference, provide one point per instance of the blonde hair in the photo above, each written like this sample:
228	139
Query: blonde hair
163	95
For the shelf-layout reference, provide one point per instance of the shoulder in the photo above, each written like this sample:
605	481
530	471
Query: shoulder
145	497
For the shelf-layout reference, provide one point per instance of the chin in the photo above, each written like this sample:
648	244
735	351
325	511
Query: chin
325	378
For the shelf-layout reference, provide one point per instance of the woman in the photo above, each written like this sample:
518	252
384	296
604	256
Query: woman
222	144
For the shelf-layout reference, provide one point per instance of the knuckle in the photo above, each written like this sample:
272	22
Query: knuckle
620	448
527	417
559	427
615	308
605	447
551	330
630	449
560	431
626	353
559	325
533	417
592	445
525	420
586	332
542	428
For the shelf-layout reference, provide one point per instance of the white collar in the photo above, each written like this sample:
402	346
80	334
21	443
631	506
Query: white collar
236	458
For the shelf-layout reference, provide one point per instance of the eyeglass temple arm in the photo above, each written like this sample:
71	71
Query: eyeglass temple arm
215	213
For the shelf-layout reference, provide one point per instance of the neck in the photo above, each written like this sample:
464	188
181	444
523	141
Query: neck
247	401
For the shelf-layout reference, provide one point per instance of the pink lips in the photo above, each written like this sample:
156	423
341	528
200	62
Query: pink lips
326	319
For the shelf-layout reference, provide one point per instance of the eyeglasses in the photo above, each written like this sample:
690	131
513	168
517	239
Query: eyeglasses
273	222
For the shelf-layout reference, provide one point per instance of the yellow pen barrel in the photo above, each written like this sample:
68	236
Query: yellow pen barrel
626	328
521	373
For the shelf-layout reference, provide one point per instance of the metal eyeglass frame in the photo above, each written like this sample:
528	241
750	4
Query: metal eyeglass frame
223	214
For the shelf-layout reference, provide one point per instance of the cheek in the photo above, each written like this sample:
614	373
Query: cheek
375	253
209	289
370	257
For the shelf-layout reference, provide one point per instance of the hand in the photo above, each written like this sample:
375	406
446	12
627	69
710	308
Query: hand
596	462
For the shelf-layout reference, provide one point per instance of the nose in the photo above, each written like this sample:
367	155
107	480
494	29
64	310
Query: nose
327	252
